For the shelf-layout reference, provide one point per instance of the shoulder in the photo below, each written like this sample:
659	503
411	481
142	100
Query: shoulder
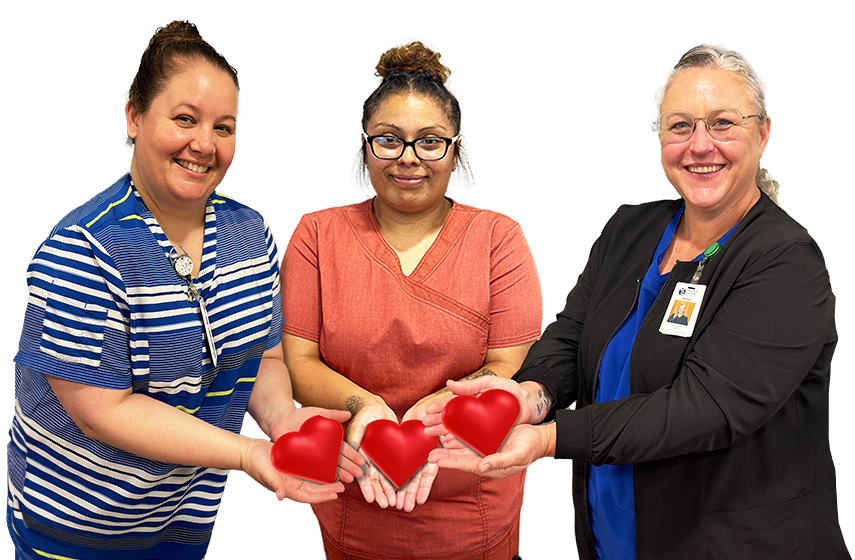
226	206
633	215
768	232
497	225
115	204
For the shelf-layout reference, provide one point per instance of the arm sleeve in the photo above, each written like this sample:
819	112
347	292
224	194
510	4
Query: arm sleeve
765	340
516	305
76	323
301	287
275	336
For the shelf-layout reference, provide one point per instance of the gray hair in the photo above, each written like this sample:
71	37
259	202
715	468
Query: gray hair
464	179
708	56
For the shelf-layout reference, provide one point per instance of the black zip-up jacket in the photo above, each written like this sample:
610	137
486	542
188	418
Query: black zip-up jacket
728	429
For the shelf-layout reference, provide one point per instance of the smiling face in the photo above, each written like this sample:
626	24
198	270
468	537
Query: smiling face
407	184
711	176
185	141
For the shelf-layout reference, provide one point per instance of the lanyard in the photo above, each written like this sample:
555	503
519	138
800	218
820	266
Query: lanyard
709	254
183	266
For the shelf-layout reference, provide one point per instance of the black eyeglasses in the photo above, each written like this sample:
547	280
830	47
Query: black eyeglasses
724	125
429	148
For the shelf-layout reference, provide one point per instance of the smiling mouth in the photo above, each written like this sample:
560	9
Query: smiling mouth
705	169
192	166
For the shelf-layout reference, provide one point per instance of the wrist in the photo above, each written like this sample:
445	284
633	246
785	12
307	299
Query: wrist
548	433
538	403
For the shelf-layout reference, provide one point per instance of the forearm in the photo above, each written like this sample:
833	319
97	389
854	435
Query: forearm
149	428
316	384
271	399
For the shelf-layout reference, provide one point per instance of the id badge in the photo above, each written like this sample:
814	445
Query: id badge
683	310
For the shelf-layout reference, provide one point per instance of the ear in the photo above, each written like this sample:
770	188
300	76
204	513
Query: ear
364	149
133	118
456	155
765	131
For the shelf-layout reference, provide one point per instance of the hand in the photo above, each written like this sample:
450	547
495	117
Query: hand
417	489
374	485
525	444
255	461
350	461
533	398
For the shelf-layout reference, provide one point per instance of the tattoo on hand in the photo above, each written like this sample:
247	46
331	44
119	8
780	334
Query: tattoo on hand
354	404
544	404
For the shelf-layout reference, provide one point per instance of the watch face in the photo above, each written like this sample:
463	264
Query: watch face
183	265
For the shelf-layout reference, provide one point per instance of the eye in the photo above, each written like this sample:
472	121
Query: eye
224	130
389	142
430	143
721	123
184	119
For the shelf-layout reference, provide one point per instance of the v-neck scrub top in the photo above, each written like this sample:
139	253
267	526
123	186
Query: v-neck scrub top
402	337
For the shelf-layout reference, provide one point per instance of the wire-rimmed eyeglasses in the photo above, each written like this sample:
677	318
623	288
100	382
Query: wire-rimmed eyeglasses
724	125
429	148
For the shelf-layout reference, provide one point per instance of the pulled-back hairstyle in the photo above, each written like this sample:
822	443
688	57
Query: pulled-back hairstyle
414	68
708	56
170	48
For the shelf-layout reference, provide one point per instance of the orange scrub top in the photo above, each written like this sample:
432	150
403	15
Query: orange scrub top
402	337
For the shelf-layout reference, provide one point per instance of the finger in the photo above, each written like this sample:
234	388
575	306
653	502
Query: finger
406	497
432	418
365	484
388	491
425	485
337	415
435	406
472	386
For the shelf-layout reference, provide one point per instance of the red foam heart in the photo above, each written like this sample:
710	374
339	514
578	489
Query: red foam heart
482	422
398	450
310	453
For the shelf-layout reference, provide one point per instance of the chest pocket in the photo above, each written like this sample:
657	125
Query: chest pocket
175	372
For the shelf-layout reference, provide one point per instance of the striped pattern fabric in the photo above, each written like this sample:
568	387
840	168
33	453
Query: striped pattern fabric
106	309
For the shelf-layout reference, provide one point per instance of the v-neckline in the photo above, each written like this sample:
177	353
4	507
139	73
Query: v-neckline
445	239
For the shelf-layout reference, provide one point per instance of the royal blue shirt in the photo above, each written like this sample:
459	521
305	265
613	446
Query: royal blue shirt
610	490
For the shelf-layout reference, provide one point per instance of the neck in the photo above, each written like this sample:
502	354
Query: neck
700	227
401	225
181	223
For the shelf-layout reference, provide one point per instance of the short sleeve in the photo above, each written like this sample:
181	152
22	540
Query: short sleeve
275	336
516	305
76	323
301	290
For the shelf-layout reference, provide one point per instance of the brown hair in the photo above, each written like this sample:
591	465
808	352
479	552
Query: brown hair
170	48
417	69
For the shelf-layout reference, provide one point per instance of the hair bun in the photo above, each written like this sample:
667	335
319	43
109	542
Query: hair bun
176	32
411	59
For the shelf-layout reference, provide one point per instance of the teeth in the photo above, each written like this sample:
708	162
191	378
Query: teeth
192	166
708	169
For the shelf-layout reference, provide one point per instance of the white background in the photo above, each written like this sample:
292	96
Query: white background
567	52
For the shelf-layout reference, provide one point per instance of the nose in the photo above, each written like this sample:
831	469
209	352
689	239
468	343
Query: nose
203	141
409	156
701	142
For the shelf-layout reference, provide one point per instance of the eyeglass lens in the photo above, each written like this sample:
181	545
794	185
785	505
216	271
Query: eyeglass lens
723	125
392	147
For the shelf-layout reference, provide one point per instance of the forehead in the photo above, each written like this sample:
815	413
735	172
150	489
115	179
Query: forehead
411	112
699	90
195	81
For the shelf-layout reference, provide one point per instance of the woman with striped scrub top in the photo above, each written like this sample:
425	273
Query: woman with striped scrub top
153	324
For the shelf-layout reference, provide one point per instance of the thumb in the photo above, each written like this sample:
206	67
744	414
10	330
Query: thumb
337	415
471	386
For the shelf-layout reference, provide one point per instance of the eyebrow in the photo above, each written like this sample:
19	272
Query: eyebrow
195	108
420	131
